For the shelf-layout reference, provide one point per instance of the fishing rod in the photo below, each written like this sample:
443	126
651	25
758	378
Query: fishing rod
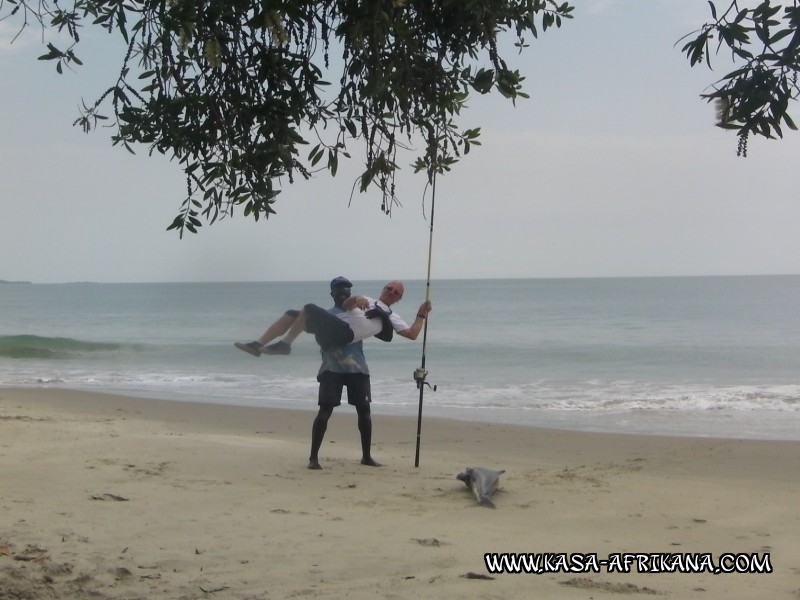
421	374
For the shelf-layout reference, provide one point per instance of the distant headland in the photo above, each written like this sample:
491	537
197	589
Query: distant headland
5	281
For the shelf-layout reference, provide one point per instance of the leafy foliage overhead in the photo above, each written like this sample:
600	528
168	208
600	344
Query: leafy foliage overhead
764	44
245	94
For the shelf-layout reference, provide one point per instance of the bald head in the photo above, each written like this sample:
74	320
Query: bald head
392	292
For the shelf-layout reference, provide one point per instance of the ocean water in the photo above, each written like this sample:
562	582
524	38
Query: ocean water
697	356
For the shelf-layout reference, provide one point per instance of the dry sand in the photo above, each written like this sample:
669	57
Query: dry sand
114	497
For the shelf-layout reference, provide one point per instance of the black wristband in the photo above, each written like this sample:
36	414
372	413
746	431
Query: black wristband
421	316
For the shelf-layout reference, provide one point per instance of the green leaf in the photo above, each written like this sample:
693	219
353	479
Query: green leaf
483	81
779	36
333	162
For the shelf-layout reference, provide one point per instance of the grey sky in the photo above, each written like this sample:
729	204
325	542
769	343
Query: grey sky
612	168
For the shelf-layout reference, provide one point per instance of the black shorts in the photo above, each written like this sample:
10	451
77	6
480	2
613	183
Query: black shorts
329	330
359	392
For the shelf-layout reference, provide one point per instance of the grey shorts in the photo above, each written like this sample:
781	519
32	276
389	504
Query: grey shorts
329	330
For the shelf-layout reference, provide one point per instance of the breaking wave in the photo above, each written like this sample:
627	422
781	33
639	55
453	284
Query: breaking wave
34	346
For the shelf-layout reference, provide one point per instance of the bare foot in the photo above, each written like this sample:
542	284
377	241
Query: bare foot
370	462
314	465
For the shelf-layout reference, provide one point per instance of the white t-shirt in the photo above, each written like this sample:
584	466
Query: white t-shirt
363	327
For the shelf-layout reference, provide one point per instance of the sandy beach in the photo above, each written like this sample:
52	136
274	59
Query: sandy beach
115	497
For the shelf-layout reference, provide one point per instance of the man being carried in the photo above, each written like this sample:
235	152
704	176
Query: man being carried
362	317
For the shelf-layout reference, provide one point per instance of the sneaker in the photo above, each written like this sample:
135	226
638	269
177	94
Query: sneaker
277	348
253	348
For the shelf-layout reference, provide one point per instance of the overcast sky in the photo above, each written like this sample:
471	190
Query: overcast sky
613	167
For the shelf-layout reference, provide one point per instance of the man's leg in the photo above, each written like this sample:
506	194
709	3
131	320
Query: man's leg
359	394
365	428
277	329
330	396
284	345
317	434
329	330
297	327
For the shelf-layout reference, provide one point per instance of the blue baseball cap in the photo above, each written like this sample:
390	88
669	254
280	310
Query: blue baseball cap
340	282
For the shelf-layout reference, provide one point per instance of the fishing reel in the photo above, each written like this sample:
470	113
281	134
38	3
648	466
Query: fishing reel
419	376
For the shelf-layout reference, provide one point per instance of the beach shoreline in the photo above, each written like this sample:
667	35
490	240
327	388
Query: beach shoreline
690	423
126	497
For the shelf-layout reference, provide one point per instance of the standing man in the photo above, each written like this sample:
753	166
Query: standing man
343	367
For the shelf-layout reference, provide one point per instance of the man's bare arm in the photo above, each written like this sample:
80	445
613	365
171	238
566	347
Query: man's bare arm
413	332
